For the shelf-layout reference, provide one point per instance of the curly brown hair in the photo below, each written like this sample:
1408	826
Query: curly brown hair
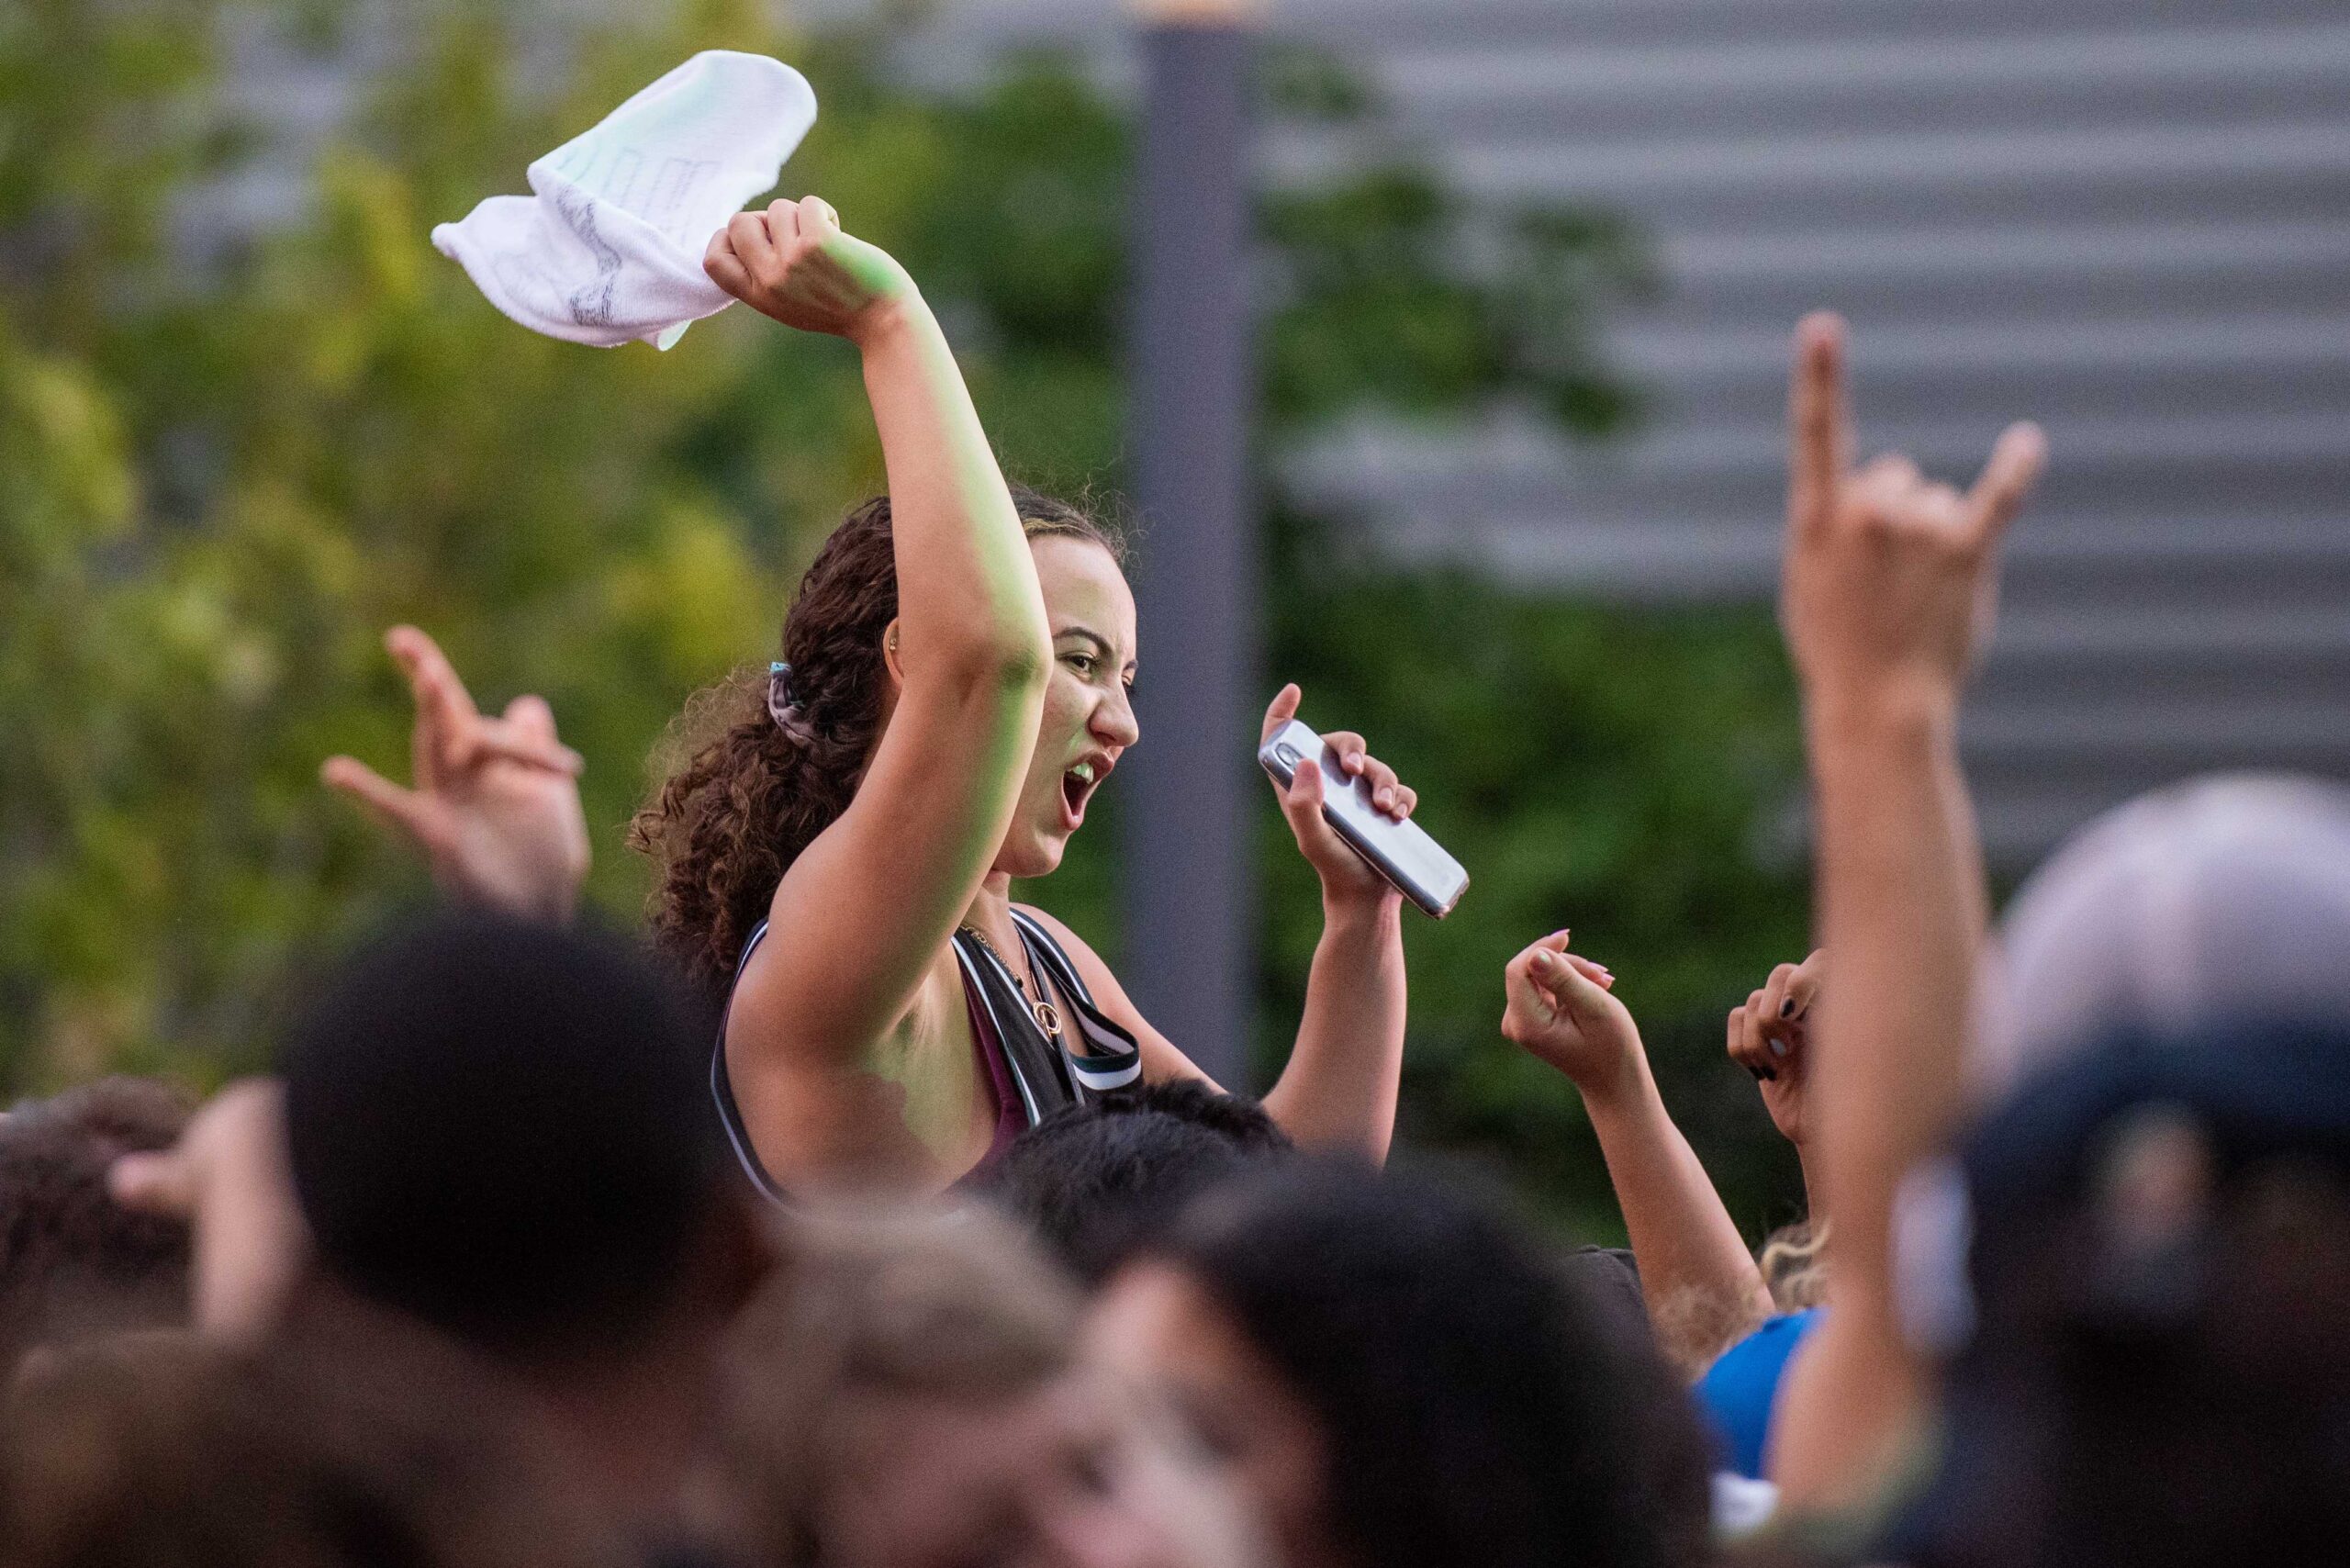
726	825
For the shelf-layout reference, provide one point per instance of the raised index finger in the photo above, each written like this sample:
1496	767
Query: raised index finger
1818	428
445	710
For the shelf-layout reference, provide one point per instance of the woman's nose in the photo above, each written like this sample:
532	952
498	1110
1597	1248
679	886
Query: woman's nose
1113	721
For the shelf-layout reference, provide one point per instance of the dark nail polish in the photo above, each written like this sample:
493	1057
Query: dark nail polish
1787	1008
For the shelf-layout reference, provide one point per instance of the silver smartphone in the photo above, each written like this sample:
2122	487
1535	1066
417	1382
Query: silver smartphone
1399	851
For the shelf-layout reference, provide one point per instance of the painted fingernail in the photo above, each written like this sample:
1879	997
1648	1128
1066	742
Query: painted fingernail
1787	1008
1778	1047
1766	1075
1755	1071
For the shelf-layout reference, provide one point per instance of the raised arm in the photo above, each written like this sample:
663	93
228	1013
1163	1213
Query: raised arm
1340	1089
868	908
1889	585
1770	1036
1698	1280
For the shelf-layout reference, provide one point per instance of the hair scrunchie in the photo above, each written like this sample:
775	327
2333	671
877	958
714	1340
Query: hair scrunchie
787	715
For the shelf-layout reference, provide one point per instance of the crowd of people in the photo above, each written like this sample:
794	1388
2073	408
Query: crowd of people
858	1219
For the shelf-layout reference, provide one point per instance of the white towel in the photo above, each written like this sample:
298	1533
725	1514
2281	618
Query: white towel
610	247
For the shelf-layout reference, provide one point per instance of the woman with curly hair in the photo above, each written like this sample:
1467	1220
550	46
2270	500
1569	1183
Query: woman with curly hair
954	687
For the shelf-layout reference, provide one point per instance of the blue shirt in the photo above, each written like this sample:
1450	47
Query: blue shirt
1738	1390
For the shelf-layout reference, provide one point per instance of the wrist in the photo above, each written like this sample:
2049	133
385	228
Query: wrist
1917	708
1624	1084
1376	913
891	320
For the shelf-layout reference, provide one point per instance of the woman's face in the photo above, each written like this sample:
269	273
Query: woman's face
1089	720
1155	1330
1060	1476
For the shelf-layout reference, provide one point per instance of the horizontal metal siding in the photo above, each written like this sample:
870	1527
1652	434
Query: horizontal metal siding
2130	222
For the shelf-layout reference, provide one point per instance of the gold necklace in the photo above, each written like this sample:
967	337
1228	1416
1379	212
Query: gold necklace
1047	1016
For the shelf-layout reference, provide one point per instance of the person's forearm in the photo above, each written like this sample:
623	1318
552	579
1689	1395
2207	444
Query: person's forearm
1701	1285
1338	1090
1904	908
967	587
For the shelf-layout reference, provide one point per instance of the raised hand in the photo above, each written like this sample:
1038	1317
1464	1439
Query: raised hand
1770	1036
228	1178
496	803
1344	873
1559	1008
1890	579
794	263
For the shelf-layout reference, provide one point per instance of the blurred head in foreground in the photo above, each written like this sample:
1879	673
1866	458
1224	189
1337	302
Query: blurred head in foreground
1090	1178
908	1396
2211	901
163	1450
2149	1365
502	1131
1398	1379
73	1263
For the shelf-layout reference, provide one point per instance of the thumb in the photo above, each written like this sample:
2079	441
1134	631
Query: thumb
159	1183
1302	801
406	810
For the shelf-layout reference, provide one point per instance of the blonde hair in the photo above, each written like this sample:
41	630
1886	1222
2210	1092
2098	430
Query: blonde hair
948	1304
1794	1261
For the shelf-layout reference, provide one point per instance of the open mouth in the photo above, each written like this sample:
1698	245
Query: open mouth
1077	784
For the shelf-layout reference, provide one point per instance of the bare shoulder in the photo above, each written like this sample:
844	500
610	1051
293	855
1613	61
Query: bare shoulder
1080	952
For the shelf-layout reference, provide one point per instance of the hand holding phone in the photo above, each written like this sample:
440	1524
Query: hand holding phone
1399	850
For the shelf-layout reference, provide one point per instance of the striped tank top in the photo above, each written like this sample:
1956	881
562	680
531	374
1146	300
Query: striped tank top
1030	1074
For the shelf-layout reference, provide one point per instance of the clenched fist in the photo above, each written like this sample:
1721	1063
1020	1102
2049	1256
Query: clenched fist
794	263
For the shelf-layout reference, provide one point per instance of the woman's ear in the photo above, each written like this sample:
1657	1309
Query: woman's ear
889	654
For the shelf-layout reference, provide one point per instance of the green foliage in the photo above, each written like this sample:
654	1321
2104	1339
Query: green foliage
1596	770
232	462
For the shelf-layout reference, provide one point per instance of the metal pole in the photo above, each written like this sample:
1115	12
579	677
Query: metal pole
1190	909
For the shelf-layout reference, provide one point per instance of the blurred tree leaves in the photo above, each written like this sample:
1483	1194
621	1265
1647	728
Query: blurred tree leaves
233	456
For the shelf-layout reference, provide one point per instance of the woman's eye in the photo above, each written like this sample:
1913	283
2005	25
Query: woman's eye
1081	663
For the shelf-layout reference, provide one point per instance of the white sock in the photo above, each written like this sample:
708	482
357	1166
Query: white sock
610	246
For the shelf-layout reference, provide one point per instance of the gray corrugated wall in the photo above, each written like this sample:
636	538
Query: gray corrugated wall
2129	221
